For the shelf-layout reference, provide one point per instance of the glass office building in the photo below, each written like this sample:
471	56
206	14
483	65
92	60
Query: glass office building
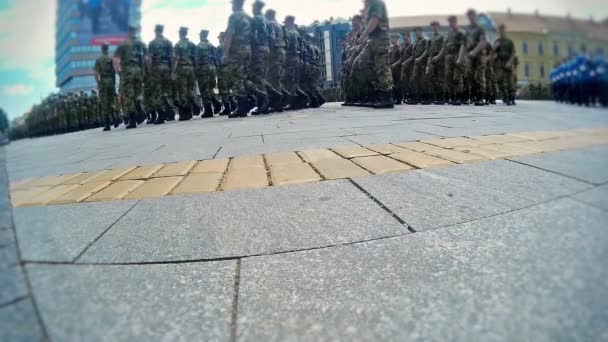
82	26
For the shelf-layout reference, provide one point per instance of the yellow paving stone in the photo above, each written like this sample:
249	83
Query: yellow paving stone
19	197
498	138
420	160
254	177
311	156
338	168
417	146
453	142
80	193
116	191
143	172
46	196
353	151
282	158
51	180
199	182
293	174
175	169
514	151
84	177
247	162
456	156
155	187
484	151
112	175
385	148
536	135
531	146
381	164
22	184
213	165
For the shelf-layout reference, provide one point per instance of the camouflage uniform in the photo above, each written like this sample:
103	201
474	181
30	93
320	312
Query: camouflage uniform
475	66
160	51
131	54
260	59
239	61
489	75
505	50
418	85
435	74
276	69
395	57
185	52
454	75
292	59
105	86
206	72
377	49
407	68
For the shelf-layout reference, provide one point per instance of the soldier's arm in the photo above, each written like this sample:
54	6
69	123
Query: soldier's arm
424	54
227	45
441	52
480	46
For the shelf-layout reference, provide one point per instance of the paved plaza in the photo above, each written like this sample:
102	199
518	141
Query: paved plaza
503	246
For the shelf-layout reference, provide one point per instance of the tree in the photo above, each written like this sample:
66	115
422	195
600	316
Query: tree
3	121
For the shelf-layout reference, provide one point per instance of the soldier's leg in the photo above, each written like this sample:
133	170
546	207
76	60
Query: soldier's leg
383	80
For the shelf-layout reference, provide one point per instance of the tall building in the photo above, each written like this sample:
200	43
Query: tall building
541	41
82	26
330	36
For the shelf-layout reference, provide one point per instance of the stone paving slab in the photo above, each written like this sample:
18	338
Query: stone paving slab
187	302
284	174
381	164
597	196
61	233
245	178
282	158
428	199
81	193
420	160
175	169
155	187
18	323
338	168
12	282
247	222
595	159
213	165
116	191
143	172
199	182
534	274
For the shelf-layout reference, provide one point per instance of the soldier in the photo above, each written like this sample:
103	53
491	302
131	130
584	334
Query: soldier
222	81
476	42
419	57
435	73
395	57
505	56
406	69
129	63
489	59
260	57
309	77
276	70
206	72
453	54
183	74
160	62
316	74
237	56
378	44
105	77
350	51
293	63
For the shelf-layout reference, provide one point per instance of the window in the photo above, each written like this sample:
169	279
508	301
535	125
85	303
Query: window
542	71
555	49
525	48
527	70
541	49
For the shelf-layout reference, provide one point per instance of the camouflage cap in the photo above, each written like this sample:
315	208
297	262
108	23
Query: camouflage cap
159	28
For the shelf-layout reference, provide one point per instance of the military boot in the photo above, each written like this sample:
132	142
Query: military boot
132	121
227	108
262	104
208	111
242	108
217	105
160	117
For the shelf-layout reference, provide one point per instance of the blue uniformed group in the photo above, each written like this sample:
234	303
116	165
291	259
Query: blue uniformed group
582	80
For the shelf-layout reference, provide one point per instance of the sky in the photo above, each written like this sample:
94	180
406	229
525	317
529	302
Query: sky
27	29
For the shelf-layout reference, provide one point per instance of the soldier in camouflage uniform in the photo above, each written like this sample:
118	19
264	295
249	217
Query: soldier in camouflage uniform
105	77
311	74
278	57
222	81
453	54
377	51
260	57
475	43
418	84
160	61
237	57
129	60
350	51
206	72
406	67
292	63
395	57
183	74
435	73
504	66
489	75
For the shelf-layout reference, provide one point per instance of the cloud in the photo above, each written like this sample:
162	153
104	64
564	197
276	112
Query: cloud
17	90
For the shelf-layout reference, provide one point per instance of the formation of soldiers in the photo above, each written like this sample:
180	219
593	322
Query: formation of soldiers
259	67
582	80
458	68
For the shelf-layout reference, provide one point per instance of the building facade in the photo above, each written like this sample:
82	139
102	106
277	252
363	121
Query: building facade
82	26
541	42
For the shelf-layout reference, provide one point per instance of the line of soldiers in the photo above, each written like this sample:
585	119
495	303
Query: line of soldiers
582	80
259	64
458	68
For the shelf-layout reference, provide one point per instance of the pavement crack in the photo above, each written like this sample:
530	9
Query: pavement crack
384	207
217	152
551	171
104	232
235	301
13	301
